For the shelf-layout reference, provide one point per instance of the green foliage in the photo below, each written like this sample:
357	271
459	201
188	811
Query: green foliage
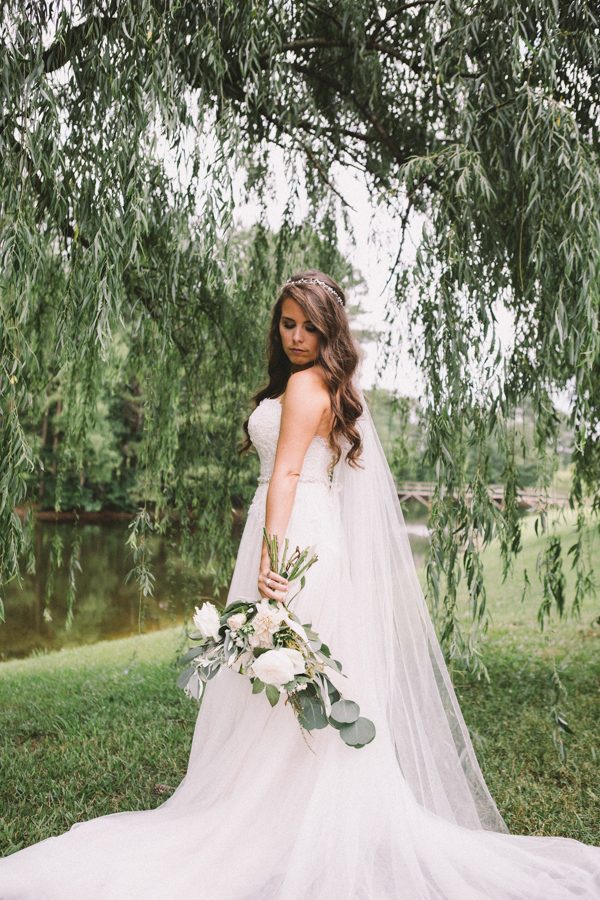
343	712
312	714
510	457
272	694
358	733
512	200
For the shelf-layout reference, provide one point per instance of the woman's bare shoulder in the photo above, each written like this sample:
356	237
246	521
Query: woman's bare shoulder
309	384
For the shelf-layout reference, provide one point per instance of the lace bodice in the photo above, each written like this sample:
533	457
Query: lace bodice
263	427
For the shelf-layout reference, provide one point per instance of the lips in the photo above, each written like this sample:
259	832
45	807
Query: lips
298	351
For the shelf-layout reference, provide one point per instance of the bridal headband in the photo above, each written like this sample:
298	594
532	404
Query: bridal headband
327	287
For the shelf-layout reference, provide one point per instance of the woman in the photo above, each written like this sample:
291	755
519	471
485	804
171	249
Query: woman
263	811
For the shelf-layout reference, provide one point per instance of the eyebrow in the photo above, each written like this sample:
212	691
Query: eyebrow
291	318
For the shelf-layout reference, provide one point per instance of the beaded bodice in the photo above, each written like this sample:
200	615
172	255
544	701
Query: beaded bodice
263	427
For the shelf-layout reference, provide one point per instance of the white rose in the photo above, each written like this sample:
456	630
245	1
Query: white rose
236	621
296	658
206	620
274	667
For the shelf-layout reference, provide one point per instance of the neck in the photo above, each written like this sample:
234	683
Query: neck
297	368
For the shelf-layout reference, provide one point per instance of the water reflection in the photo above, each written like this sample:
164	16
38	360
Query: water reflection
106	605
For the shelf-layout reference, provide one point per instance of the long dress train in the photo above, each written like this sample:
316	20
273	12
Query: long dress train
265	812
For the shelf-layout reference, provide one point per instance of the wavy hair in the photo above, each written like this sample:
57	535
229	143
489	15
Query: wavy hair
338	357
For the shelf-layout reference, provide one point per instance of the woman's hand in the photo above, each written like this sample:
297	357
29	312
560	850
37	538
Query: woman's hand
271	585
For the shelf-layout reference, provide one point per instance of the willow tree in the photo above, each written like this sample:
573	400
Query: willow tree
125	127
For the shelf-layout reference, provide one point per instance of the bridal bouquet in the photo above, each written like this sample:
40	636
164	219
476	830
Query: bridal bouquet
265	641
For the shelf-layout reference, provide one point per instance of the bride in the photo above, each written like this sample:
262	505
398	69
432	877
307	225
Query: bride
265	810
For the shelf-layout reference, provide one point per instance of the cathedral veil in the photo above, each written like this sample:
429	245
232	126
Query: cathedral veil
431	740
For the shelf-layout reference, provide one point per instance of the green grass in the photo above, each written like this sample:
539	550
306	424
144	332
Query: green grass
509	718
89	731
99	729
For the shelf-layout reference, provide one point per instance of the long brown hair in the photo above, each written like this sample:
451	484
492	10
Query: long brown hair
338	357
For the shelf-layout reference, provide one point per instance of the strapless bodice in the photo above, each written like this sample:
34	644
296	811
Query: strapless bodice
263	427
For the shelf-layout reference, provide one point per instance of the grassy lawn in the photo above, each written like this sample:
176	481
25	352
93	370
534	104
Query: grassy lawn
88	731
509	718
100	729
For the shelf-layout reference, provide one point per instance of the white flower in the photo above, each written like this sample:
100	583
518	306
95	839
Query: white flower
236	621
206	620
275	667
296	658
265	623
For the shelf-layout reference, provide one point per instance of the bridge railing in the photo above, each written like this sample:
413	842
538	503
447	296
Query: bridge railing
532	497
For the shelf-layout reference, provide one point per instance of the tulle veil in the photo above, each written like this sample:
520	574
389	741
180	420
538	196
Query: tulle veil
431	740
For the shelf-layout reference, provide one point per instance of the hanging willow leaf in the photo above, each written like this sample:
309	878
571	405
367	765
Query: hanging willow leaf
470	117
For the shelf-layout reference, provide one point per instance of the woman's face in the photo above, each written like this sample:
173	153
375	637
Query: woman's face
299	337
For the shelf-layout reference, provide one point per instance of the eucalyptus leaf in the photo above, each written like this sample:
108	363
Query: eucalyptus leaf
211	671
343	712
236	607
334	664
311	715
333	692
272	693
191	654
358	733
311	690
185	676
198	636
195	686
322	685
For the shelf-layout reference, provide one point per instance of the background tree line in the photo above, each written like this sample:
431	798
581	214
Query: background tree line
111	478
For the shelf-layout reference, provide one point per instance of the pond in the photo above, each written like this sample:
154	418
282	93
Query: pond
106	606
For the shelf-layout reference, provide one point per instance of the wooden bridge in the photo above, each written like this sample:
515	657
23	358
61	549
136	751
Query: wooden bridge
528	498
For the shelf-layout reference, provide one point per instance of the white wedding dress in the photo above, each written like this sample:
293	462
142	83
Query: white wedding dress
266	812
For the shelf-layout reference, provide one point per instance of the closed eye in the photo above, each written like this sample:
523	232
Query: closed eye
309	326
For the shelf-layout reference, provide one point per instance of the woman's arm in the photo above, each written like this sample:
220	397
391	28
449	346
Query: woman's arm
306	400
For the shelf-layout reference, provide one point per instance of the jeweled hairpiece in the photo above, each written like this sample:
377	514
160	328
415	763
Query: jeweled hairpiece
327	287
